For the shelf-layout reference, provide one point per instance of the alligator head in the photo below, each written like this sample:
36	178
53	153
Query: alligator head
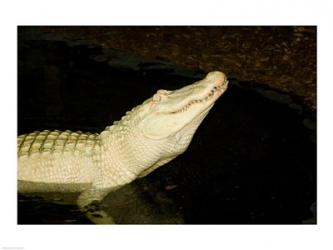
180	112
163	126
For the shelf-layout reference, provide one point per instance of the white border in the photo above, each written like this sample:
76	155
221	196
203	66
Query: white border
209	12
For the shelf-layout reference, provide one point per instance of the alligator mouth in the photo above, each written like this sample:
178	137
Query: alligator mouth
214	93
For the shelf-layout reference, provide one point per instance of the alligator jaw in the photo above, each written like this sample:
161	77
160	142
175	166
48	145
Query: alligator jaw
214	93
170	111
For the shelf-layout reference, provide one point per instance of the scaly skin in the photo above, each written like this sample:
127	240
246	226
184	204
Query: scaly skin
147	137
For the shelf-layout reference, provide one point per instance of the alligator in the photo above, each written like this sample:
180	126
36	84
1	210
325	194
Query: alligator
93	165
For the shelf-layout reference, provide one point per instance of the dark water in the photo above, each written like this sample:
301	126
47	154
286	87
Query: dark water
252	161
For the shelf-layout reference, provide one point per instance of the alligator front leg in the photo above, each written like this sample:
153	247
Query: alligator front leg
89	202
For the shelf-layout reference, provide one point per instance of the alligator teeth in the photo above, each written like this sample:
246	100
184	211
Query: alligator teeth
204	99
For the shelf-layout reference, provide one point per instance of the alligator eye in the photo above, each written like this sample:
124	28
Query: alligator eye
157	98
164	92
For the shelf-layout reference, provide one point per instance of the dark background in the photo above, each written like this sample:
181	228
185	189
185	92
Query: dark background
282	57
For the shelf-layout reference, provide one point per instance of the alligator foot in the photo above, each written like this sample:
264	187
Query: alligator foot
100	217
89	203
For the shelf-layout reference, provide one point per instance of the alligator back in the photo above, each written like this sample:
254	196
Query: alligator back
57	157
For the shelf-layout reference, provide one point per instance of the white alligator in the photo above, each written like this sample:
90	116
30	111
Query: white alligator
147	137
